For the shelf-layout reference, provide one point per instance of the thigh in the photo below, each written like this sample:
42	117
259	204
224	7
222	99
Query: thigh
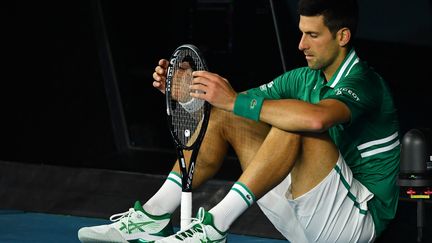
316	160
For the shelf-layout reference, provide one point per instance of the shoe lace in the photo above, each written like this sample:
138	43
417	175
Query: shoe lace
121	216
195	221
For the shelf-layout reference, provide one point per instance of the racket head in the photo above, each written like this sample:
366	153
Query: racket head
187	116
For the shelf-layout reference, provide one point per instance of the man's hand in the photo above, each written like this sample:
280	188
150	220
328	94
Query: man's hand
214	89
159	75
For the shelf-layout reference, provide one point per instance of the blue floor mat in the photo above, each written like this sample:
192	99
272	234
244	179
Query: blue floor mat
23	227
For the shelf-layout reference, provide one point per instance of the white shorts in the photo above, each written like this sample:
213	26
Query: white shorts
333	211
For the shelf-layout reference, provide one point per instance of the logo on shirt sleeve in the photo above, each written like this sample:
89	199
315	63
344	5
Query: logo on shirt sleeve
252	104
264	87
347	92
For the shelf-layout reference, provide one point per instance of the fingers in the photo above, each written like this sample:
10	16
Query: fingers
205	74
159	75
161	69
206	81
206	88
213	88
199	86
159	79
163	63
158	85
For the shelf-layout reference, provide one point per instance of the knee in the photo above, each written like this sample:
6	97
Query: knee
304	140
320	143
282	135
218	115
217	120
225	117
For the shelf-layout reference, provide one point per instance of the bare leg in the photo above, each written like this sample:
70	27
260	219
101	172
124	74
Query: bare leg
317	158
224	128
267	154
272	162
309	158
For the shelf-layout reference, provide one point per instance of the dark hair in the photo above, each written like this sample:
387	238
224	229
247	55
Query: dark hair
337	13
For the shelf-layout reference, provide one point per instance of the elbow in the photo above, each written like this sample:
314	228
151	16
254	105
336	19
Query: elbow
326	115
319	124
322	119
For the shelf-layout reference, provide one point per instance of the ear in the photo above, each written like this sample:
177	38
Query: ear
344	36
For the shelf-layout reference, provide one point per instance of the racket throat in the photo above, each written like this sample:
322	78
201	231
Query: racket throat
187	177
186	184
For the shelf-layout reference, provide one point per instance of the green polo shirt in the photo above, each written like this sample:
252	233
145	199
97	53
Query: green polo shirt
369	142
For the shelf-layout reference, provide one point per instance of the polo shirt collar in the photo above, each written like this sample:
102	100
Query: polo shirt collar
344	69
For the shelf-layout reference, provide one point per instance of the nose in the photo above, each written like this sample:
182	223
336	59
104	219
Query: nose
302	44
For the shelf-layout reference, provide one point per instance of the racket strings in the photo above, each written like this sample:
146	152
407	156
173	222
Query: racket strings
187	112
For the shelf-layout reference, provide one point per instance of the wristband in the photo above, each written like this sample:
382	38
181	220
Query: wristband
248	106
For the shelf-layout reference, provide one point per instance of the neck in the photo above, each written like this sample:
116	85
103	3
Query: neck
330	70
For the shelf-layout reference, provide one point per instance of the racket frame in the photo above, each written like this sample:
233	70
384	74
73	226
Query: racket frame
187	171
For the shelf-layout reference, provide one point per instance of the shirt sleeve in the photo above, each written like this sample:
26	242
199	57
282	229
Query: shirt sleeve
285	86
359	94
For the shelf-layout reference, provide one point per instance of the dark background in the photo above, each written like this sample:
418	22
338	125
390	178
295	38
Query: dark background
57	97
56	105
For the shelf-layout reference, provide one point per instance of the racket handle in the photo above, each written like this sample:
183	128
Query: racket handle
185	210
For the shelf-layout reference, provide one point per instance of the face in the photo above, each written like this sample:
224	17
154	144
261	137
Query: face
322	50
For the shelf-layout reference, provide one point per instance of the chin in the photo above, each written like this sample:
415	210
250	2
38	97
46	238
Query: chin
314	67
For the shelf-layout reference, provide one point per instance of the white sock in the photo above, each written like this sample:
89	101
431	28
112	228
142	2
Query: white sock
238	199
167	198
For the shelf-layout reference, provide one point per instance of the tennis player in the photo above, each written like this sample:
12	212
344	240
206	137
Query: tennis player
318	145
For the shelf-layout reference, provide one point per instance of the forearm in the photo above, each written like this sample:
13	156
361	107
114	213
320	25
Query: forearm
293	115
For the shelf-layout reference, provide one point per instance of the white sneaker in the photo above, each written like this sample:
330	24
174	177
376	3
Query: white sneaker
135	225
201	230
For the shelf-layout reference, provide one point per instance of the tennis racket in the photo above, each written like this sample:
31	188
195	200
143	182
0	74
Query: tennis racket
187	117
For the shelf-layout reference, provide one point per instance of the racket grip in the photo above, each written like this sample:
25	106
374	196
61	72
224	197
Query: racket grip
185	210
